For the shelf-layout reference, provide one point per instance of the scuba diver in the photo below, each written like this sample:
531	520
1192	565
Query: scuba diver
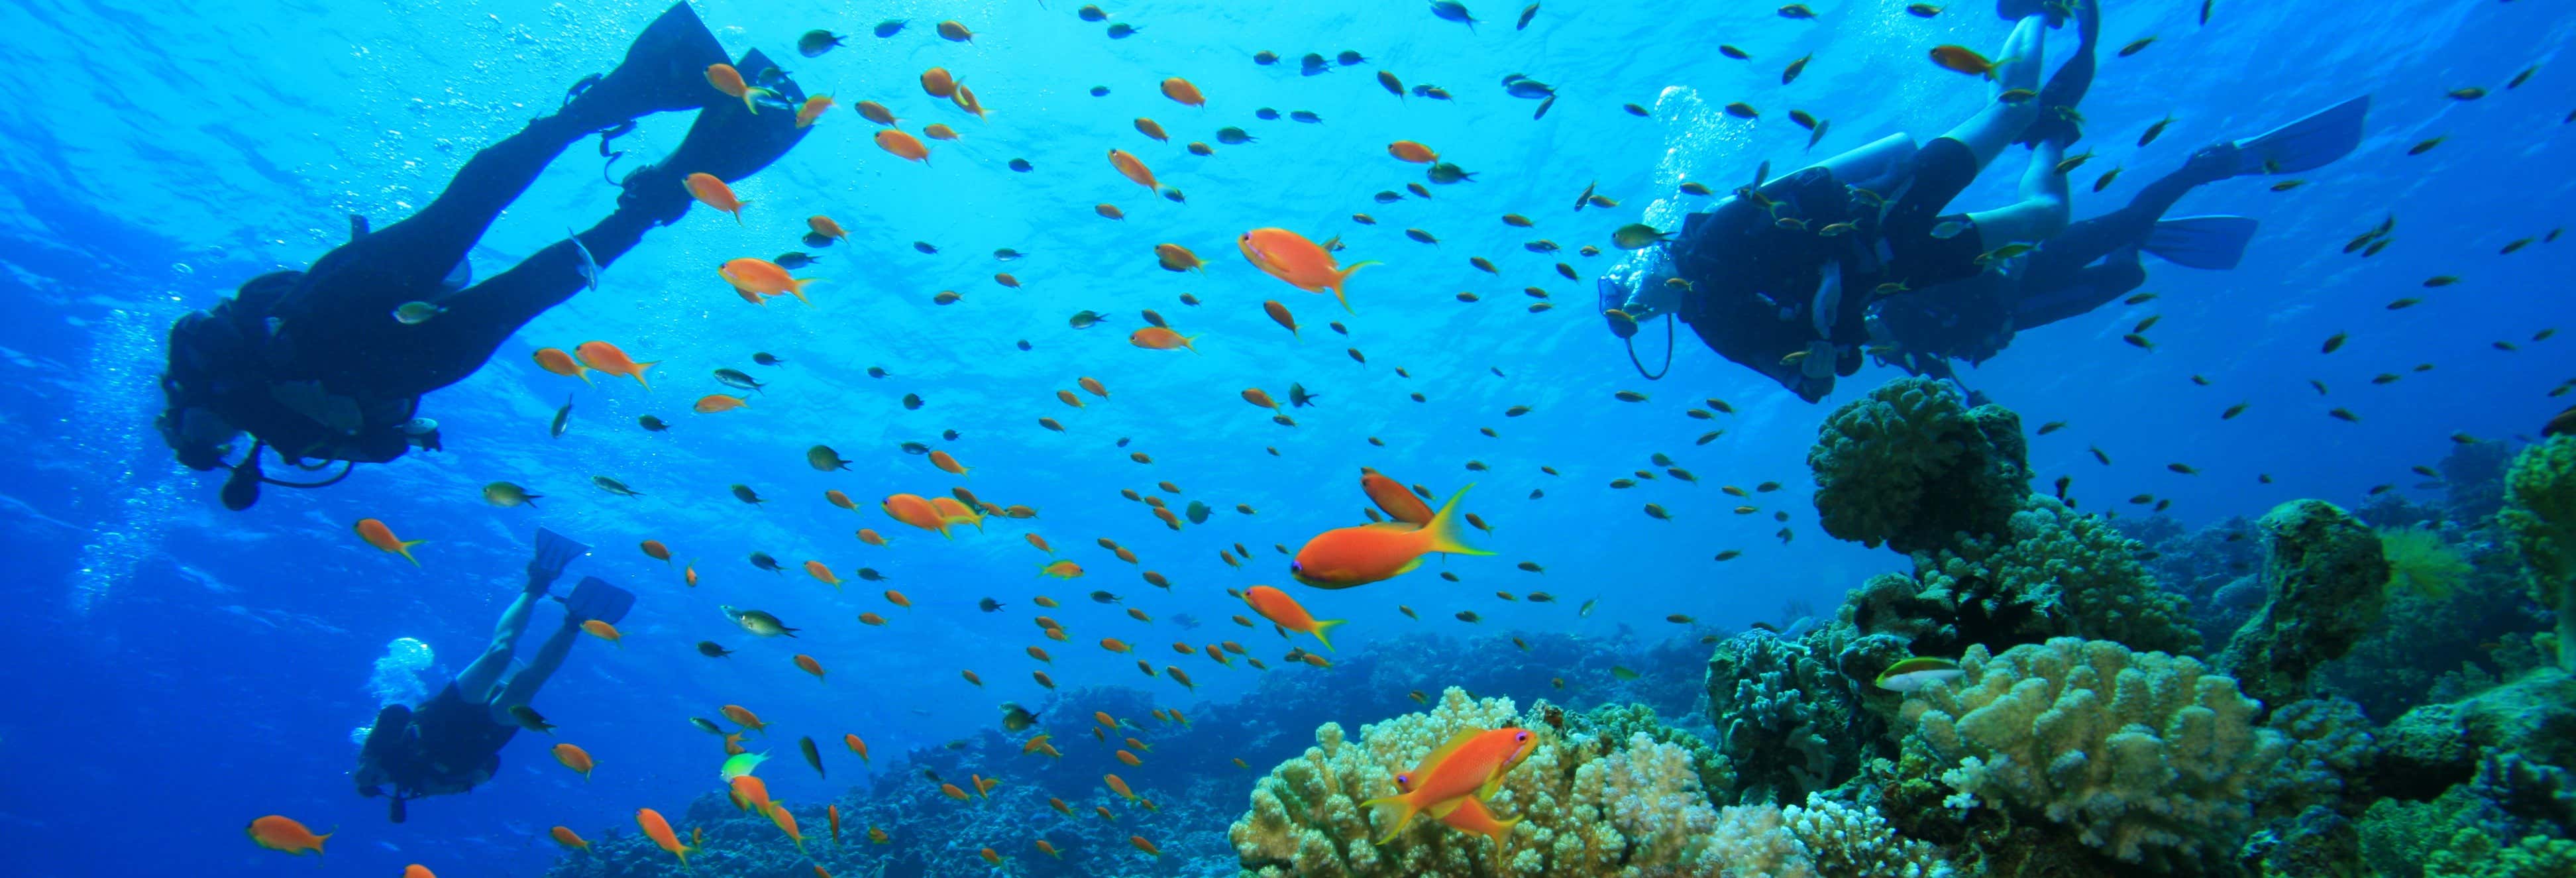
2096	261
329	364
452	742
1778	277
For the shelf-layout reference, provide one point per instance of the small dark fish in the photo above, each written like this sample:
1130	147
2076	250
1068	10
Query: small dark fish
737	379
2204	11
1531	11
763	561
2441	280
816	42
813	755
2104	182
1306	117
1234	136
2051	427
1790	74
1797	11
914	448
2467	94
1022	165
1422	236
989	605
2136	47
614	486
2335	342
563	417
2520	78
1299	398
1198	512
1122	30
528	718
2425	146
766	358
745	494
651	423
889	27
794	260
2514	245
1445	173
2105	459
912	402
1350	58
2319	385
711	649
1452	10
1804	119
1094	15
2232	411
2345	415
2155	129
924	246
1742	110
1313	64
1923	10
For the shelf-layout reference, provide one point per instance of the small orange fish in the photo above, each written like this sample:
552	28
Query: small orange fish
809	665
1279	314
278	833
1406	150
812	108
1182	91
877	836
1039	542
1048	849
1304	264
1113	644
952	791
1061	569
972	678
867	535
742	716
1469	762
1129	758
1392	497
659	830
752	275
833	812
954	32
417	870
1067	397
574	758
655	550
569	839
1159	338
1093	386
608	358
1962	59
1175	257
914	510
938	83
1146	846
1150	128
875	112
1118	785
1006	279
382	537
1134	170
937	131
902	145
1351	556
556	361
856	746
717	402
604	631
965	100
871	619
947	463
728	80
991	856
1284	611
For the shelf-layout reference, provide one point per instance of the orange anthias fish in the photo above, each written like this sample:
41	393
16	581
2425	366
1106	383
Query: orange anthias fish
1134	170
856	746
1279	314
280	833
1118	785
1392	498
600	628
1259	397
902	145
742	716
867	535
1345	557
659	830
787	824
1061	569
714	193
556	361
1473	816
569	839
1471	764
951	511
809	665
655	550
608	358
718	402
1963	60
728	80
814	106
914	510
834	812
376	534
574	758
938	83
1182	91
818	571
1279	608
947	463
824	226
753	791
1410	151
1304	264
754	275
1161	338
1153	129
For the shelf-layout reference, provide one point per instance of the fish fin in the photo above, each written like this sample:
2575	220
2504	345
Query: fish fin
1344	276
1397	809
406	551
1441	810
639	373
1323	625
1446	531
797	289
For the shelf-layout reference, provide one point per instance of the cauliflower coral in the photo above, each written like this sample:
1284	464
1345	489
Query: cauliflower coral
1912	466
2539	519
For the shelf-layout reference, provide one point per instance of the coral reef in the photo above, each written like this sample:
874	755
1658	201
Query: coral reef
2141	753
1912	466
2539	519
2473	479
2326	578
2049	573
1822	839
1786	717
1590	805
2420	563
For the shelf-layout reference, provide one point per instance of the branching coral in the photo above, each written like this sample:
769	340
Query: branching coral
1590	805
2539	519
1912	466
1783	714
2139	752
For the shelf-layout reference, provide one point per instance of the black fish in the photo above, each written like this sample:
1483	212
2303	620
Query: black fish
793	260
924	246
989	605
889	27
816	42
1299	398
1198	512
563	417
711	649
813	756
1526	14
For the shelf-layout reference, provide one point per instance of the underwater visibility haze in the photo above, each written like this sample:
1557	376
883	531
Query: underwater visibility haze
492	437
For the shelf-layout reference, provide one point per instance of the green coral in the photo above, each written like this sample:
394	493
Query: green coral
2327	584
2048	573
2419	563
2472	854
1912	466
1784	715
2539	519
1589	805
2141	753
1822	839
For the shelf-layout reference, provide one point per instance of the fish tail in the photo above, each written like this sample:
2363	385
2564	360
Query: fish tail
737	211
797	288
582	372
639	373
1344	276
406	551
1446	531
1185	342
1399	810
747	99
1323	625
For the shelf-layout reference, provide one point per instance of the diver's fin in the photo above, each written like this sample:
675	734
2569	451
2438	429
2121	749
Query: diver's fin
728	141
593	598
458	278
554	551
2216	243
358	227
665	69
2311	142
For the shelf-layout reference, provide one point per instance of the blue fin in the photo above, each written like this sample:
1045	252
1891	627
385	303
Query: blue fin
555	550
593	598
2312	142
2216	243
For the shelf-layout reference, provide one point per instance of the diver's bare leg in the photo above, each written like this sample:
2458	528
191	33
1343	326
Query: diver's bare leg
2042	211
1995	127
476	682
524	684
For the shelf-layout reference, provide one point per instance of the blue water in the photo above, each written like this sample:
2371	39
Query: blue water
179	669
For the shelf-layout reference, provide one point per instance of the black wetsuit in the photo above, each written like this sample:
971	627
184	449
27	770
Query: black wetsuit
1755	272
2085	267
446	745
